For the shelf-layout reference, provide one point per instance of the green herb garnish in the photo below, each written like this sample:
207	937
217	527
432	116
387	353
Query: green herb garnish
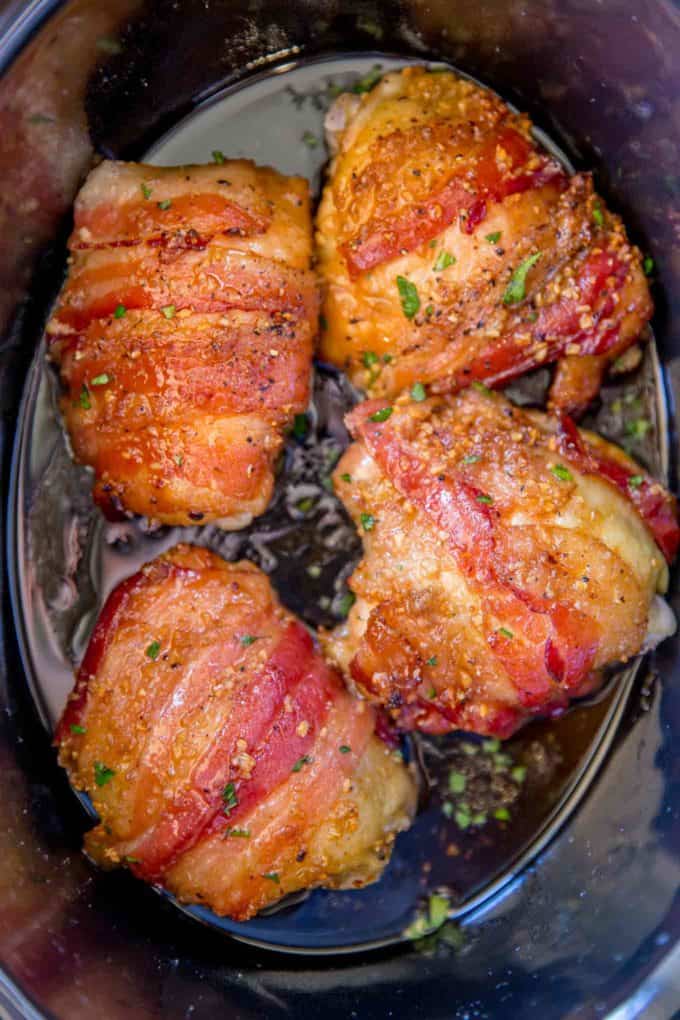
648	265
229	798
444	260
272	876
84	398
471	458
516	289
597	215
168	311
381	415
146	190
367	522
635	481
639	428
502	814
165	204
76	728
344	749
249	639
345	477
153	649
483	498
301	762
505	632
240	833
100	380
102	773
432	661
368	81
218	156
408	294
346	603
561	472
494	238
418	392
120	312
456	782
310	140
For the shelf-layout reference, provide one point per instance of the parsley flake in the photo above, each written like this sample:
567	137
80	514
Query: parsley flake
168	311
597	215
229	798
639	428
516	289
381	415
165	204
483	498
345	604
635	481
502	814
444	260
83	398
519	773
456	782
494	238
471	458
145	189
240	833
301	762
218	156
249	639
153	650
648	265
346	477
418	392
344	749
505	632
367	522
102	773
408	294
369	81
272	876
561	472
432	661
100	380
310	140
369	358
76	728
119	312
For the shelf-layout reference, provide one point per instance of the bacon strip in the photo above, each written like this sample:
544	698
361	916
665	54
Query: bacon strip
656	506
559	643
465	194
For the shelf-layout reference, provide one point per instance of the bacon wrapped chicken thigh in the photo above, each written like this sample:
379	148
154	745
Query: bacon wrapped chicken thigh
509	559
226	760
184	335
453	248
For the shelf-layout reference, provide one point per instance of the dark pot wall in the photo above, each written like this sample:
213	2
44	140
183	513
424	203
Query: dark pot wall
583	929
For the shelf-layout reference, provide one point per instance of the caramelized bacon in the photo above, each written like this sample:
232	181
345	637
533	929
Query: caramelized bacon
511	264
201	709
500	577
184	336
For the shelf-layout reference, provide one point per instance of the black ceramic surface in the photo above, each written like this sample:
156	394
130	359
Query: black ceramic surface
582	930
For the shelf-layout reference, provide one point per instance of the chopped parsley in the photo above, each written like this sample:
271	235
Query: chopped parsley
516	289
456	782
648	265
494	238
146	190
272	876
471	458
102	773
381	415
432	920
597	215
483	498
301	762
300	426
462	818
165	204
432	661
369	358
346	477
249	639
519	773
481	388
229	798
418	392
76	728
506	633
346	603
153	650
639	428
305	505
84	398
218	156
344	749
561	472
100	380
444	260
368	81
310	140
120	312
240	833
168	311
502	814
408	294
367	522
635	481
